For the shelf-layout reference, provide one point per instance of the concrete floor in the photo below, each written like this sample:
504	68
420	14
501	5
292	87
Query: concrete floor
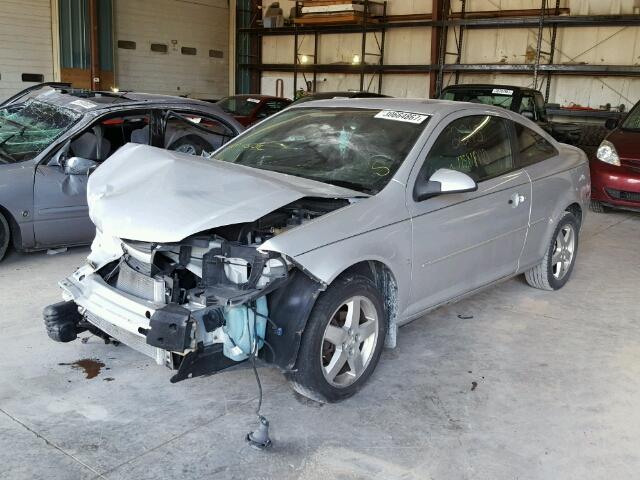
536	385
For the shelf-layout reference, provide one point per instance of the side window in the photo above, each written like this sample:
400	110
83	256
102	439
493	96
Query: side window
532	147
528	107
540	107
195	134
270	107
477	145
104	137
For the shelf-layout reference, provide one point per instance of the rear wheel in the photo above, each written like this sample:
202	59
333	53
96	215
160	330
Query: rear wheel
556	266
5	236
342	342
597	206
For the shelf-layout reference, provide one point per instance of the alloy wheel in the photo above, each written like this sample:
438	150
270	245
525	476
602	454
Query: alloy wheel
563	251
349	341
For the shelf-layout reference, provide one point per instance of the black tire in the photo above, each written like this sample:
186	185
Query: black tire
192	144
308	378
5	236
542	275
597	206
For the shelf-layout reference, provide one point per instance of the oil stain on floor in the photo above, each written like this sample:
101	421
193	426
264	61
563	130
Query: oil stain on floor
90	366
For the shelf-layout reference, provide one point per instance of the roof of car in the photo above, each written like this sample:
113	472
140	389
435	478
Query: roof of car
466	86
413	105
259	97
86	100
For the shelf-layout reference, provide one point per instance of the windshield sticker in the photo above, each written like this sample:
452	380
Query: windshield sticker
401	116
253	100
83	103
502	91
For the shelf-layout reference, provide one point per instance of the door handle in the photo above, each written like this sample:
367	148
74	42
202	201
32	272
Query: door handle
516	199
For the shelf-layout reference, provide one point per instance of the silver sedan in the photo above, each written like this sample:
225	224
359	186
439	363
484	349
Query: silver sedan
310	238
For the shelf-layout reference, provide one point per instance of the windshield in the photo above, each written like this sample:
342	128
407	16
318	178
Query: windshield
632	122
242	106
360	149
498	97
28	130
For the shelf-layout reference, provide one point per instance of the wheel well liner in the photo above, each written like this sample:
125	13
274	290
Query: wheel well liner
576	209
289	310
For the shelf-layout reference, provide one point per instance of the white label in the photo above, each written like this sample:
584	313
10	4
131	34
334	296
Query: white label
83	103
502	91
401	116
253	100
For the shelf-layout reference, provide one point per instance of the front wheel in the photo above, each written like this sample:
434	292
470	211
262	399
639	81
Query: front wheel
556	266
342	342
5	236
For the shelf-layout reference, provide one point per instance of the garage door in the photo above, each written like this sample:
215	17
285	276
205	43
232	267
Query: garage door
25	35
173	47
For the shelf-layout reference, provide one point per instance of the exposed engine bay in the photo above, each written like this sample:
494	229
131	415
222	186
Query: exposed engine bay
211	290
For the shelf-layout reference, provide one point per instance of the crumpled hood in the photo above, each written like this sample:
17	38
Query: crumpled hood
154	195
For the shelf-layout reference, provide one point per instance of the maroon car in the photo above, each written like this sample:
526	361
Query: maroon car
615	169
249	109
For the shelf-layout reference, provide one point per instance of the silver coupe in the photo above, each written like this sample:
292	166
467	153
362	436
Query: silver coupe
308	239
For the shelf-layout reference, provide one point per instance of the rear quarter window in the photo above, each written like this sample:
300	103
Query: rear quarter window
532	147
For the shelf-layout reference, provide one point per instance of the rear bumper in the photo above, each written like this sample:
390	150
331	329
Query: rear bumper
615	186
116	313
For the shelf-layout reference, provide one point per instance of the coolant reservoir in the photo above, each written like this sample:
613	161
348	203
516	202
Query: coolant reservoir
242	327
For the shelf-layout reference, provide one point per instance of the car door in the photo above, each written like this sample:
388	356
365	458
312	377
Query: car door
61	214
539	158
194	133
462	241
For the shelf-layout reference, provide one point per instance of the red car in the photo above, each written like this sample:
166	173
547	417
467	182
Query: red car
249	109
615	170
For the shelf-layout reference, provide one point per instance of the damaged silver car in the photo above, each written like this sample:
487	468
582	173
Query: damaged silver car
307	240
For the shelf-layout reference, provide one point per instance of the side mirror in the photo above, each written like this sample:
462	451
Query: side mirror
444	181
611	123
79	166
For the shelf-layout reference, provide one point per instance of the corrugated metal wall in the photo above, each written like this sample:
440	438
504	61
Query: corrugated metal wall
617	45
25	37
199	24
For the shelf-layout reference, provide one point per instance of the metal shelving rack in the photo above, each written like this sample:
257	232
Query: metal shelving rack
440	66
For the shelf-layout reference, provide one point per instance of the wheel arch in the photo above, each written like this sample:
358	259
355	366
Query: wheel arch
576	209
14	228
385	281
290	307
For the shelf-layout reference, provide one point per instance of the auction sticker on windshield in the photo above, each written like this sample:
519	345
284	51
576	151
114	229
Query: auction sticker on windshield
502	91
401	116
